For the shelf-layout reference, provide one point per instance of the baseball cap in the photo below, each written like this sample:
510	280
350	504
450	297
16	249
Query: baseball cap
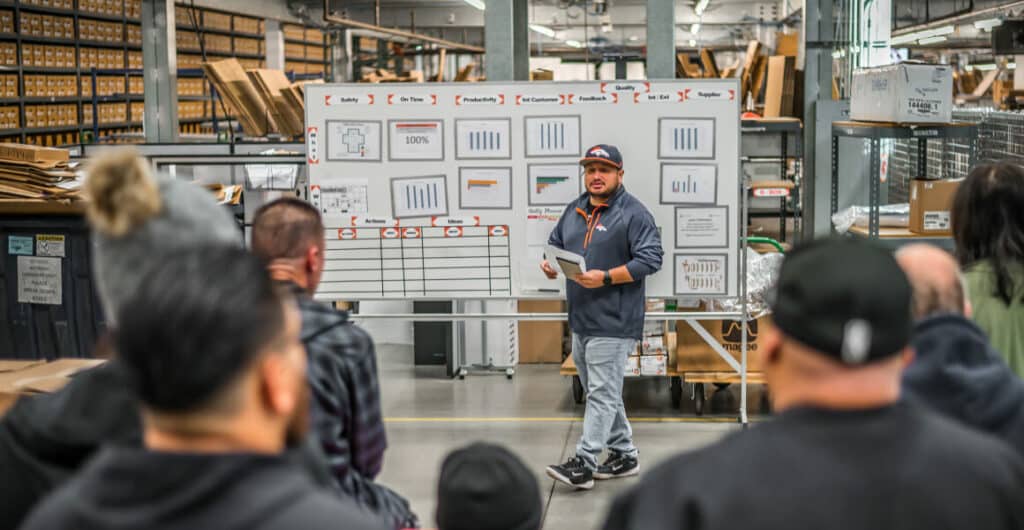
486	487
845	298
609	154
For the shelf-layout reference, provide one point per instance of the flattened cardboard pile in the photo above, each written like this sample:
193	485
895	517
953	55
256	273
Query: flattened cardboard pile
30	173
21	378
264	101
272	86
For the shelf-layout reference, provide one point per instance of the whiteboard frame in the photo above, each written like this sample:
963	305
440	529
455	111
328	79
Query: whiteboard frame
724	112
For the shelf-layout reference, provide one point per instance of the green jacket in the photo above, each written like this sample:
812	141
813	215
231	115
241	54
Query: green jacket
1003	324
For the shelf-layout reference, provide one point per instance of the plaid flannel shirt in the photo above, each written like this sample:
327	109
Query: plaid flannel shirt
346	405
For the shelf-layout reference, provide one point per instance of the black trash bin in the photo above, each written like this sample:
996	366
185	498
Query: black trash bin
40	321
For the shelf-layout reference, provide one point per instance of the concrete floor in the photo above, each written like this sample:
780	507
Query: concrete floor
534	415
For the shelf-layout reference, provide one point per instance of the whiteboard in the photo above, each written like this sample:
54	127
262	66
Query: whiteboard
441	191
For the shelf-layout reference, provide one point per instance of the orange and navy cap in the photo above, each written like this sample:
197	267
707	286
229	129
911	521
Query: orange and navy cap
609	154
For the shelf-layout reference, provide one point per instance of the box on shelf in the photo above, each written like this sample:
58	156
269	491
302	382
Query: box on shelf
903	93
654	305
654	327
654	365
930	203
653	345
695	355
632	366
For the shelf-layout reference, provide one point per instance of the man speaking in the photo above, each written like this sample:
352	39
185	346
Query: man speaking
617	236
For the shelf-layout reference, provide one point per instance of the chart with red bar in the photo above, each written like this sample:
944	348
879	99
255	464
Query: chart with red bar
419	261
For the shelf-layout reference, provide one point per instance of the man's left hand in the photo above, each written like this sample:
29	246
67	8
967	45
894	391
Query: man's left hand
591	279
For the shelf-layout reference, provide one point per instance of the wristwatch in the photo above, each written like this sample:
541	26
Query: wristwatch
607	277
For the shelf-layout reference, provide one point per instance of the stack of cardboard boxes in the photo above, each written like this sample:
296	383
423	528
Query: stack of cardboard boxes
655	348
191	87
247	45
108	113
9	118
912	93
50	26
51	115
40	86
9	54
102	7
133	34
249	25
105	85
214	20
6	21
100	31
132	9
100	58
56	4
9	86
48	56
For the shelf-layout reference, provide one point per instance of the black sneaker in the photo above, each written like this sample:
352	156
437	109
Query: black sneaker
573	473
618	465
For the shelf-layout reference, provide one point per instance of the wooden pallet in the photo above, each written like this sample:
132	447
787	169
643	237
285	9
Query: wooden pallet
753	378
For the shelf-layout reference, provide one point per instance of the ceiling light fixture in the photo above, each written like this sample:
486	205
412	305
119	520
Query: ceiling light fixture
543	30
695	28
933	40
701	6
693	43
987	25
479	4
574	43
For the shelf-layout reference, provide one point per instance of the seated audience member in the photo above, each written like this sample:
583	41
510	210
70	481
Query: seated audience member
486	487
844	452
955	370
988	227
212	350
46	438
289	235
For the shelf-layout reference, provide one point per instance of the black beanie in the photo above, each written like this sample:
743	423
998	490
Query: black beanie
486	487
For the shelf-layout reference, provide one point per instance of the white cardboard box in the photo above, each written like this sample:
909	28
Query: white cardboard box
653	345
653	365
632	366
657	327
903	93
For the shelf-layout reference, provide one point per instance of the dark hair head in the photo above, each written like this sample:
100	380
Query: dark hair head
197	323
285	228
988	221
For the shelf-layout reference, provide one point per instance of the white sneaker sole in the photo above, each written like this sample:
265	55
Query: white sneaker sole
584	486
606	476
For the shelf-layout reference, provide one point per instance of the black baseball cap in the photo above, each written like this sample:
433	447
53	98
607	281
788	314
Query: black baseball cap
845	298
609	154
486	487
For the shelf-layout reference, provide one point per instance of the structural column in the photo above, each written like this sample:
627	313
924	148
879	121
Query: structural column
274	44
160	71
818	43
661	39
506	40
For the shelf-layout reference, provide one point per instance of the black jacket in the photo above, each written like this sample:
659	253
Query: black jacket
959	374
47	438
619	232
133	488
901	467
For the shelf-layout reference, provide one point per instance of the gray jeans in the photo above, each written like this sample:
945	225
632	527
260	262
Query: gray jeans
601	363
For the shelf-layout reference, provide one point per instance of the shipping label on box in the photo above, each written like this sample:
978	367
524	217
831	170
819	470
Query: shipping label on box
632	366
654	365
903	93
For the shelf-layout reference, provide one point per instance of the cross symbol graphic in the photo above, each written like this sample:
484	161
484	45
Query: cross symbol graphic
354	140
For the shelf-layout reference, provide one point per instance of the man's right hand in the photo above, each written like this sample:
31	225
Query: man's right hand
549	271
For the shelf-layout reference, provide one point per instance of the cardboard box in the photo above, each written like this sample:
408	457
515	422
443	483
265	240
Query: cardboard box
695	355
19	378
653	365
632	366
781	85
653	345
930	202
654	328
539	341
33	154
903	93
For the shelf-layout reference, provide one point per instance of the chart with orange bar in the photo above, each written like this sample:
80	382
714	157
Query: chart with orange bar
403	261
485	188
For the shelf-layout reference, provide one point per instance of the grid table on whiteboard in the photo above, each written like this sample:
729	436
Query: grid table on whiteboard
418	261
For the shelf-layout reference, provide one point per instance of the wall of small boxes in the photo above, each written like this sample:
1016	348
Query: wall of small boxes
304	49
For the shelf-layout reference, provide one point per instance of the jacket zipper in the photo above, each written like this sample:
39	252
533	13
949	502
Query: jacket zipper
592	221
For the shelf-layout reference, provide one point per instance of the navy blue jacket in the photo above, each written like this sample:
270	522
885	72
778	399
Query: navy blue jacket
620	232
959	374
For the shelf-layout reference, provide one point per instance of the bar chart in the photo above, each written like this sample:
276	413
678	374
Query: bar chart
688	183
419	196
553	184
552	136
692	138
483	139
486	188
